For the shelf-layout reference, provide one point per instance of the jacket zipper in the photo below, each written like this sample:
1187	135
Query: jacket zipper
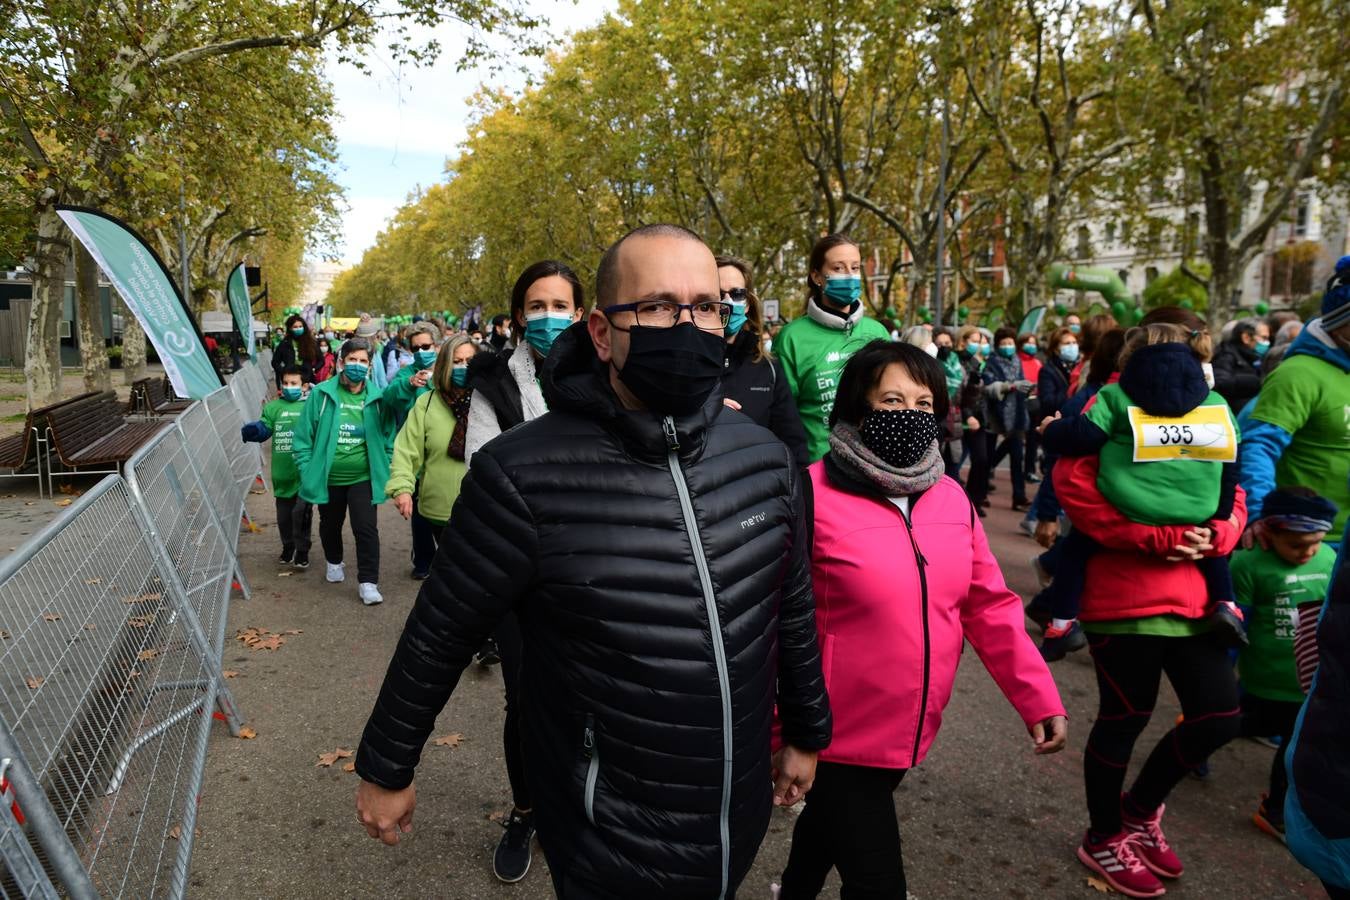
719	649
592	767
927	648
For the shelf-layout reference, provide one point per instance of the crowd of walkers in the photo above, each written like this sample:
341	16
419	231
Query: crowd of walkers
725	568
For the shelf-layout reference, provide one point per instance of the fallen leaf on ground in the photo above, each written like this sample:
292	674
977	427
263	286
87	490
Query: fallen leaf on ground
4	635
93	580
247	734
327	759
65	502
450	740
349	767
148	653
34	682
90	626
293	631
260	638
230	673
270	643
140	621
175	832
69	489
498	816
52	617
140	598
1098	884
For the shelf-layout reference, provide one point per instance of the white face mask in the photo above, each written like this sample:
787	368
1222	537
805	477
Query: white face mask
931	350
1209	374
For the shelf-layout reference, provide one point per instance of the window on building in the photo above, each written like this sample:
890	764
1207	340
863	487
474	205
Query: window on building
1110	234
1124	276
1084	242
1150	275
1302	215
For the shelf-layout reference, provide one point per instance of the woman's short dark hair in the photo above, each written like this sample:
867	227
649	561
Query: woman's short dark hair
1103	362
353	345
545	268
863	372
1005	334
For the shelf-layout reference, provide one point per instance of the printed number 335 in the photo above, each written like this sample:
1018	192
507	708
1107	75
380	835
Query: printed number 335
1175	434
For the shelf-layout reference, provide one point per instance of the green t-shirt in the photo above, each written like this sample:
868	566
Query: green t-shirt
1157	473
1310	399
1272	591
1166	625
813	357
351	460
280	417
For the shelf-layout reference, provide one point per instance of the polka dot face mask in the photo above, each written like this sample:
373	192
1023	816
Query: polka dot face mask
899	437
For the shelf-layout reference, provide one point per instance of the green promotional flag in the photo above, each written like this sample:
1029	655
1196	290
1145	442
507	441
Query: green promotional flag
145	286
236	290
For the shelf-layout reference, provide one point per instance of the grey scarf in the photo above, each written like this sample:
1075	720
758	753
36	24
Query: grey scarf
861	464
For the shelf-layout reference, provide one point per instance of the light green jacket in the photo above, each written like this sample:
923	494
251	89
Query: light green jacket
421	451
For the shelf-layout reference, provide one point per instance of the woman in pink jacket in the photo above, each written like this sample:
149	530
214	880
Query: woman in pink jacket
903	574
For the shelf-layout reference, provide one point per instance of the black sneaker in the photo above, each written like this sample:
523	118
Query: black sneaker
512	859
1058	643
302	560
488	654
287	555
1226	625
420	574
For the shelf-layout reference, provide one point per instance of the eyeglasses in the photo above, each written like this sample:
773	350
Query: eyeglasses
735	295
708	315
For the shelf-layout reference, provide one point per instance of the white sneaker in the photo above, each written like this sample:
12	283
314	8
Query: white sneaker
370	594
337	573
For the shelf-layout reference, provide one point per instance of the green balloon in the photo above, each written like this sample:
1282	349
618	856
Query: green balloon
1262	307
1118	309
1137	316
925	315
1186	303
1061	309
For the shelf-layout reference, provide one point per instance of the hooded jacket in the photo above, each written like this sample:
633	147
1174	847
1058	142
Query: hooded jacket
1300	433
813	350
1237	373
1157	478
660	572
895	598
761	389
316	439
506	392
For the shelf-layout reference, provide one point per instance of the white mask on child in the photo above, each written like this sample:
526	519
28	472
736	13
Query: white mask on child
1208	369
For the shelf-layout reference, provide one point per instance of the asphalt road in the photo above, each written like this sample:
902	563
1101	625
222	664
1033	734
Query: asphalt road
982	817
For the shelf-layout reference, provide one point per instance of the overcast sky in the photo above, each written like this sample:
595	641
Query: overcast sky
396	127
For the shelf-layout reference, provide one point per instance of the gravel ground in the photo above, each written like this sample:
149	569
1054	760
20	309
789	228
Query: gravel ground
982	817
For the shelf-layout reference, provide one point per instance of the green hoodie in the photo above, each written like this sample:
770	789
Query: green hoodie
813	357
400	394
316	439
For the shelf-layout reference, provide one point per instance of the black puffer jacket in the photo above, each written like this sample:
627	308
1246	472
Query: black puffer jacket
762	391
664	598
1237	377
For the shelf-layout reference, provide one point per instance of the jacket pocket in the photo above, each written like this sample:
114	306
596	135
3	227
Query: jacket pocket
591	753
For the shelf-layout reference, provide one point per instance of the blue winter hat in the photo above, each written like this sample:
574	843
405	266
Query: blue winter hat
1336	300
1291	511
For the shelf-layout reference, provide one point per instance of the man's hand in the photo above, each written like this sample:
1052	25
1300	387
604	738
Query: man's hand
1047	421
420	379
794	771
403	503
1047	532
385	813
1050	735
1256	533
972	424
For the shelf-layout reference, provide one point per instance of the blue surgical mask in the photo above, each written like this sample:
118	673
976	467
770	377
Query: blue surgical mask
984	349
356	372
424	359
1007	351
1068	352
543	328
459	375
1029	349
291	393
297	332
1074	329
1261	348
737	320
844	290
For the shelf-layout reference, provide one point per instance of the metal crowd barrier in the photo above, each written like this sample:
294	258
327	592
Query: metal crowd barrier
112	630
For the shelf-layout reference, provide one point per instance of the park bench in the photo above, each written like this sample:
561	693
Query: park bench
18	451
151	396
91	430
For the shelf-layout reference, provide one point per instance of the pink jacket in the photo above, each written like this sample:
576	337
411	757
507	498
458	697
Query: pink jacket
891	627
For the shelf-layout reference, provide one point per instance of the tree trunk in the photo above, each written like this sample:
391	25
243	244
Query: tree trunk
93	351
42	359
133	346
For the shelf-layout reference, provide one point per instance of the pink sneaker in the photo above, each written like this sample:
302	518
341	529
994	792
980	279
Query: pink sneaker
1116	859
1152	846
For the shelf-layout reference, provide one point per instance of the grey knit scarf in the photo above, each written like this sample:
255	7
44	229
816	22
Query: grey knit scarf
861	464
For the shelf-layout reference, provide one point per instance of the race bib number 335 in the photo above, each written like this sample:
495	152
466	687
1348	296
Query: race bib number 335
1205	433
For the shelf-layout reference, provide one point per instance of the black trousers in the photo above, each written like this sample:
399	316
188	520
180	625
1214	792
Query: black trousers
511	649
848	824
353	500
977	479
425	536
295	520
1267	718
1010	446
1033	450
1129	672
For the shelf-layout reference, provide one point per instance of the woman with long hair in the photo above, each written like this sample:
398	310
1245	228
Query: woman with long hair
297	348
754	382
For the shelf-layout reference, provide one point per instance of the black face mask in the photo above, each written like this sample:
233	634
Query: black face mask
673	370
943	353
899	437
